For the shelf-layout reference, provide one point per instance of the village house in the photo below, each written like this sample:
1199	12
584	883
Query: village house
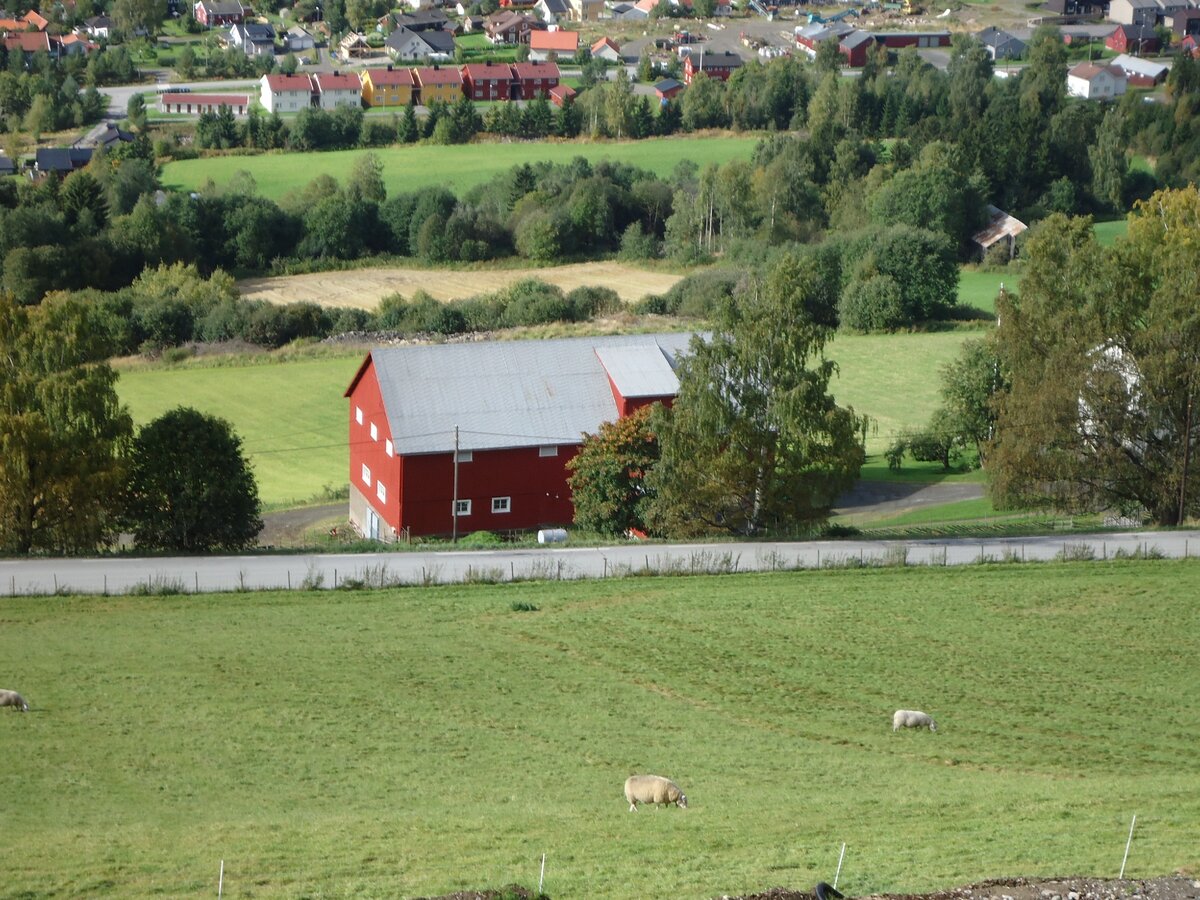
552	11
489	81
403	44
387	87
491	453
1133	39
559	44
218	13
714	65
253	38
1094	82
193	104
508	27
562	94
607	49
334	89
1133	12
1140	72
1000	44
534	79
438	83
286	93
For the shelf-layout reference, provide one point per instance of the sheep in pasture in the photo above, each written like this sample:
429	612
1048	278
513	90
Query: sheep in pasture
912	718
653	789
13	699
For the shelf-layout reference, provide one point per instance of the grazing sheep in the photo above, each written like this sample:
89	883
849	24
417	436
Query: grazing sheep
912	718
13	699
653	789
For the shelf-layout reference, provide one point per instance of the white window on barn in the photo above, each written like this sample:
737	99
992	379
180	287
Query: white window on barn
366	475
374	432
388	448
501	504
466	456
548	450
462	507
358	414
381	492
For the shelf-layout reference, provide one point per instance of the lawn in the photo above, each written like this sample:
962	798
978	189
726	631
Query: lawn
979	289
1108	232
421	741
290	415
409	168
292	418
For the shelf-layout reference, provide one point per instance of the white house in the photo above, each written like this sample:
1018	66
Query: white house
1093	82
253	38
286	93
334	89
298	40
1135	66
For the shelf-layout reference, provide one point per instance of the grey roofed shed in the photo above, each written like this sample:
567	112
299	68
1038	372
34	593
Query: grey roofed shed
504	394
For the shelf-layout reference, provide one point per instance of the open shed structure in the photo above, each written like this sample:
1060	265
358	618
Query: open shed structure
1000	227
454	438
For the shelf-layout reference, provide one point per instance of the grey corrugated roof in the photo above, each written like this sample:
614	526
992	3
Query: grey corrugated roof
637	372
510	393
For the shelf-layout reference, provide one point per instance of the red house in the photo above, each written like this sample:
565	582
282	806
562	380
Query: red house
489	81
562	95
855	46
534	78
214	13
1133	39
714	65
481	433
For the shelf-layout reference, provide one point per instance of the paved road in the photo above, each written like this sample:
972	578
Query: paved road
224	573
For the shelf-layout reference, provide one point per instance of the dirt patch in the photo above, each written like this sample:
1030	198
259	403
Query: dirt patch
287	527
1175	887
364	288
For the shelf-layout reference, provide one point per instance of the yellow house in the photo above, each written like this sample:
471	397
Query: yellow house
439	84
387	87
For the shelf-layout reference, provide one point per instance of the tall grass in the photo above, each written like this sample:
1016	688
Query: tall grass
420	741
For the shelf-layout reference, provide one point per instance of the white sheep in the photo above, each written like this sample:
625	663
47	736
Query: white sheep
13	699
653	789
912	718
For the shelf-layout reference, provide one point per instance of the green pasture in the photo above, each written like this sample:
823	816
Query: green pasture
1108	232
979	289
426	740
290	415
408	168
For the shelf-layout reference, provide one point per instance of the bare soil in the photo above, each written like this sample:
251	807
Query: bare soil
364	288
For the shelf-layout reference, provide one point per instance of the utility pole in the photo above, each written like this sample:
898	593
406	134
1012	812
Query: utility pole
1187	452
454	508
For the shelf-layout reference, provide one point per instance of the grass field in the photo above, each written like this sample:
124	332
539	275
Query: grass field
426	740
290	415
979	289
458	167
292	418
1108	232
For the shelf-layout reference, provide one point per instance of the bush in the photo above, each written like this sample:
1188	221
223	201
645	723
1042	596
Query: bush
637	244
533	302
698	295
588	302
872	304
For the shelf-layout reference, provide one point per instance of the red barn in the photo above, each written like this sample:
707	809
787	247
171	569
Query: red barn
483	431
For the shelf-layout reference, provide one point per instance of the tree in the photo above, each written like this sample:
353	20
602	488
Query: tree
1102	351
366	179
970	383
190	488
754	440
62	428
134	15
1109	162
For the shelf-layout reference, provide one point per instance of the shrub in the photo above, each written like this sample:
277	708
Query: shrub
872	304
637	244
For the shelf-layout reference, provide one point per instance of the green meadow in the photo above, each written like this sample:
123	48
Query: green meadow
292	417
410	168
290	414
426	740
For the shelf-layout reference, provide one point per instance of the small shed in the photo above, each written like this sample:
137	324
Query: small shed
1000	227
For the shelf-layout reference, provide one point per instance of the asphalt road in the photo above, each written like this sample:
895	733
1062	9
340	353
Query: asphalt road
223	573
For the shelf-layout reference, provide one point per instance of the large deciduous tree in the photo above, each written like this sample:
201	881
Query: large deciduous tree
190	487
1103	353
755	441
608	475
61	429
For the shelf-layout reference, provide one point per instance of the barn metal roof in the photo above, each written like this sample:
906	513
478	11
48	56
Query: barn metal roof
517	393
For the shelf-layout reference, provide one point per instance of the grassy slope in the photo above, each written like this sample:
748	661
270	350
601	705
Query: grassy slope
292	417
421	741
459	167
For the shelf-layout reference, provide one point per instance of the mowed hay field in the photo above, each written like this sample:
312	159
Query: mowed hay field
364	288
460	167
418	741
292	417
